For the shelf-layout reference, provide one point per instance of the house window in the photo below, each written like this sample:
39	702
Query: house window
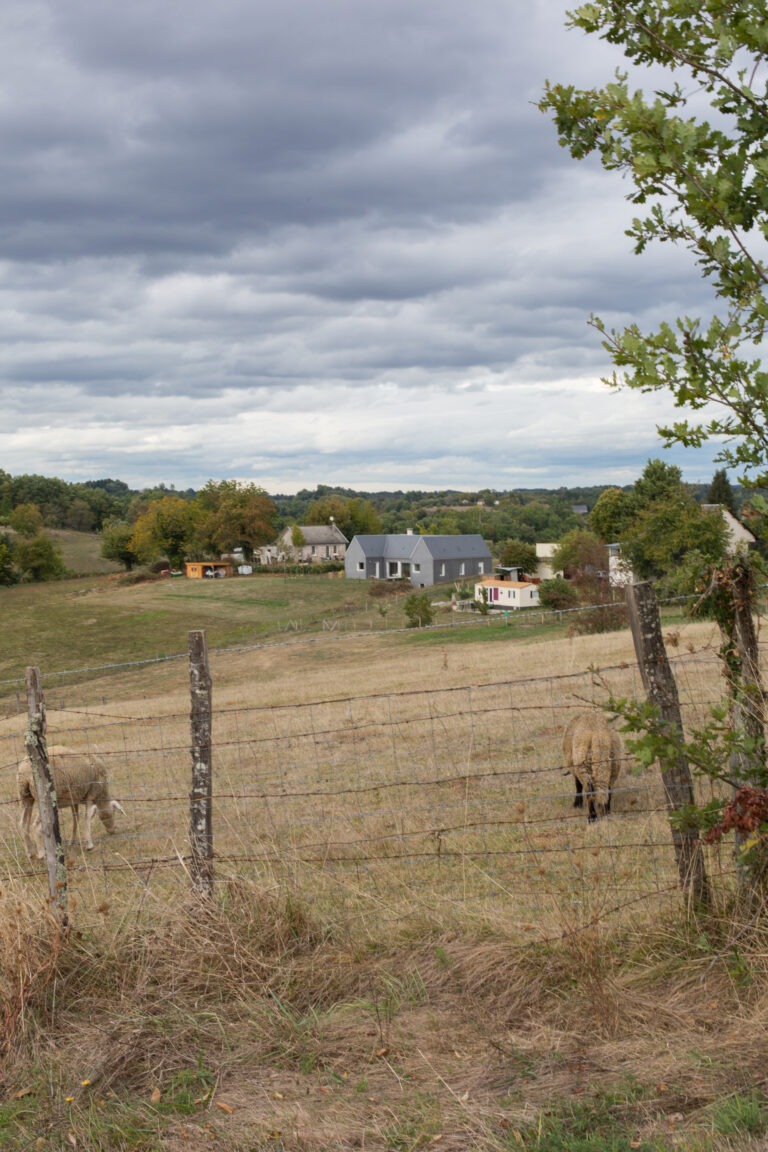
462	569
480	567
361	565
442	569
314	549
417	567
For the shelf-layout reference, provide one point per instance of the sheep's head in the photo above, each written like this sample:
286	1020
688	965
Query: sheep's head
107	813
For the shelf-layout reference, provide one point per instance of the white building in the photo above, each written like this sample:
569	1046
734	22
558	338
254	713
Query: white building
507	594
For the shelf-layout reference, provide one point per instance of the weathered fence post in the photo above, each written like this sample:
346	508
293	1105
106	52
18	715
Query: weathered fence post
34	742
201	795
742	662
659	683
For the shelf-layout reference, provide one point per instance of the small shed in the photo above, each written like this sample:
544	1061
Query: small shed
207	569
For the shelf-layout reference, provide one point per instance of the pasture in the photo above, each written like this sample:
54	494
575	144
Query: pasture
414	937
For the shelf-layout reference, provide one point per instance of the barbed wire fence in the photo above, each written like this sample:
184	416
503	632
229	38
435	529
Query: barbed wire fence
440	804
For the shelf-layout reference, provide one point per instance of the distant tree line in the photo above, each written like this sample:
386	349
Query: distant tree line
141	526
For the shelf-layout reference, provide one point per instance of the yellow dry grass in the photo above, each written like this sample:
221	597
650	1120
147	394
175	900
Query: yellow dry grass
414	941
398	787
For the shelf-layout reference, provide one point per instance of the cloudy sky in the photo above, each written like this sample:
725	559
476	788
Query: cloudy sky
312	241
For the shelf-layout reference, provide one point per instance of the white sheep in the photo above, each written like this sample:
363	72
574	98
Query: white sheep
78	778
592	751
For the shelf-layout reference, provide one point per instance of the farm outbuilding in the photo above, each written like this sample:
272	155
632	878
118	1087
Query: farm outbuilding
207	569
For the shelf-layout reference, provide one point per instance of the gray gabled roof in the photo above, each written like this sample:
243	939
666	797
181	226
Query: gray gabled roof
456	547
320	534
401	546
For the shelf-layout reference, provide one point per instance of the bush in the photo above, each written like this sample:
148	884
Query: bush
419	610
557	594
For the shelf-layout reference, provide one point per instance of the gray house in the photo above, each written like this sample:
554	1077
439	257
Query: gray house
424	560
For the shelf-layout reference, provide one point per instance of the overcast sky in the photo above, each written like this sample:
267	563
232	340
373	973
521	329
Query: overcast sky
313	241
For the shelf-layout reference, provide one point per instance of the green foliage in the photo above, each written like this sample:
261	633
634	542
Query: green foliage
701	186
519	554
169	527
8	573
38	558
26	519
557	594
418	610
710	749
116	543
608	1122
674	538
230	514
721	492
611	515
662	530
741	1115
353	517
583	557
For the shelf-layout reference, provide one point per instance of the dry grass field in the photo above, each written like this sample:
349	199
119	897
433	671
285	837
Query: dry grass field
415	940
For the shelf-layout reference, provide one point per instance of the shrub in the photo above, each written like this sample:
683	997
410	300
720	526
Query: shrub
419	610
557	594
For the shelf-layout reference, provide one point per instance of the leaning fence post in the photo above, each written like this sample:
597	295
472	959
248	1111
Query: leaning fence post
201	795
34	742
660	685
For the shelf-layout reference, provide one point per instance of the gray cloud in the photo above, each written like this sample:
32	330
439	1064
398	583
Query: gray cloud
301	243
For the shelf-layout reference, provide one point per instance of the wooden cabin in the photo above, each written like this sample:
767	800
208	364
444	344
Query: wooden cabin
207	569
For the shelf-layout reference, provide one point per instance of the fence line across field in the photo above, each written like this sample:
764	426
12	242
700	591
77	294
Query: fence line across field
457	792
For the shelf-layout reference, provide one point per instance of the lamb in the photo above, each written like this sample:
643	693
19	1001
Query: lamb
79	778
592	751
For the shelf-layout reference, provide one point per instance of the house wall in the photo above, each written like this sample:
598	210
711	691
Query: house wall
421	568
317	553
508	594
352	561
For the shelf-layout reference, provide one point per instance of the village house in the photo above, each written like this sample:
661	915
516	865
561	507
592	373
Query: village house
423	560
317	544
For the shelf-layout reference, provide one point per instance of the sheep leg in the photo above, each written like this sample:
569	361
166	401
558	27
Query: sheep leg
75	823
579	801
34	851
89	810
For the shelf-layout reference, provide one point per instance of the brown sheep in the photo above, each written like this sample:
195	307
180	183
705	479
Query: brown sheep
592	751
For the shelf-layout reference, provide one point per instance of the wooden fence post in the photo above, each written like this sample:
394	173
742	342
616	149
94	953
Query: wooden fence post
659	683
201	795
34	742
